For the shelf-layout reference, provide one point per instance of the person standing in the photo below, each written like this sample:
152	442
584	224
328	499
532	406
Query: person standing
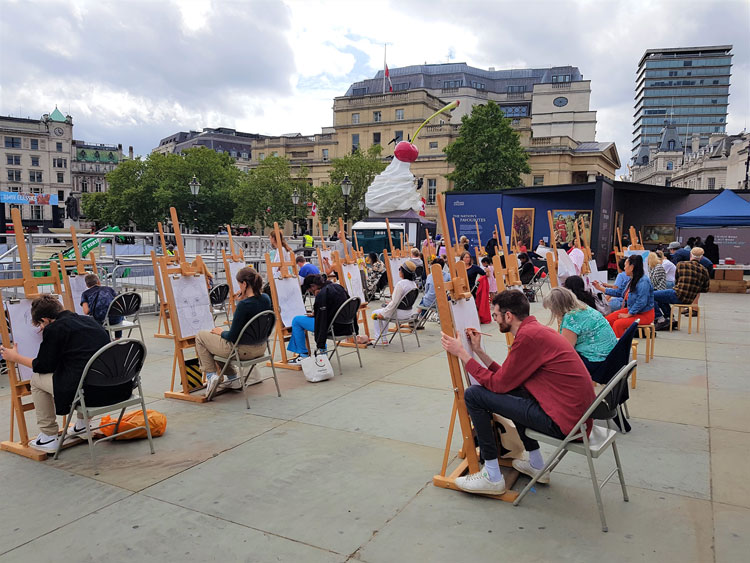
711	250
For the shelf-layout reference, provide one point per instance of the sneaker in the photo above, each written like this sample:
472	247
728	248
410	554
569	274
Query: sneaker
297	360
75	430
661	324
232	383
523	466
45	443
480	483
212	382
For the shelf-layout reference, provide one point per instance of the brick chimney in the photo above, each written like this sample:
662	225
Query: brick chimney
130	152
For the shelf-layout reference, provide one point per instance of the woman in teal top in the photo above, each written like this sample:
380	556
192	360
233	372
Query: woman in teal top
585	328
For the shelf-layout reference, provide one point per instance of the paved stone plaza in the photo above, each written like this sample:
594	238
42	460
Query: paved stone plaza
342	470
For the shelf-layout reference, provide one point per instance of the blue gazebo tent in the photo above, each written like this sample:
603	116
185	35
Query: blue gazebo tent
725	210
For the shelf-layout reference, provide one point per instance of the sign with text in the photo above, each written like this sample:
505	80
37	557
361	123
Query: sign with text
24	198
470	210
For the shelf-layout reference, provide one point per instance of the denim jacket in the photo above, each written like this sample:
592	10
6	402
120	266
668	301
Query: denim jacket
641	298
621	281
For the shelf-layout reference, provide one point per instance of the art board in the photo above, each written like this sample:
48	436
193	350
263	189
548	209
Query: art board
395	264
465	316
77	287
235	267
27	336
658	234
564	221
353	281
192	303
523	225
290	299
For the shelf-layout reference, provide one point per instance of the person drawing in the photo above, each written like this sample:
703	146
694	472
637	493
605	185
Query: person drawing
407	272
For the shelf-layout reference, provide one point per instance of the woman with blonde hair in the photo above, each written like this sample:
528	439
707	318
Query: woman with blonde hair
279	246
585	328
669	269
656	272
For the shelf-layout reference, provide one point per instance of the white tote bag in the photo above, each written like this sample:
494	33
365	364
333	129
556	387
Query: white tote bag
317	368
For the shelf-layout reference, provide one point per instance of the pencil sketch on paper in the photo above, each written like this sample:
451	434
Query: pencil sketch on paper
353	281
192	303
27	336
77	287
290	299
465	316
235	267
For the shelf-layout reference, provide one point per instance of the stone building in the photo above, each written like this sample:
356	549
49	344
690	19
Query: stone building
221	139
91	163
655	164
720	164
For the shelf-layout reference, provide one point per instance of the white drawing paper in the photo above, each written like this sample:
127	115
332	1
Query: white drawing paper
27	336
274	255
465	316
235	267
353	281
192	303
77	287
565	266
395	264
290	299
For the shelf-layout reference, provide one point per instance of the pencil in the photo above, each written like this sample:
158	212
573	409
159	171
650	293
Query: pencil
477	332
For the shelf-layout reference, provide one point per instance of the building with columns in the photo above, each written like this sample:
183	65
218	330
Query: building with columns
91	163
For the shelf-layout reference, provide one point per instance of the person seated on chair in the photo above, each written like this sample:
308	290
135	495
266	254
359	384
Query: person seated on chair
96	299
416	259
656	272
705	262
678	254
526	271
68	343
305	268
407	271
584	327
429	297
576	285
616	291
638	299
542	385
218	342
472	270
669	269
375	270
691	278
329	297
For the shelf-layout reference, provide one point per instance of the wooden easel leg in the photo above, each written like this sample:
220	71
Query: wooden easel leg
284	363
21	447
184	395
449	439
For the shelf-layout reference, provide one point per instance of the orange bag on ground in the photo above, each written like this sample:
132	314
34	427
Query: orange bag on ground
156	420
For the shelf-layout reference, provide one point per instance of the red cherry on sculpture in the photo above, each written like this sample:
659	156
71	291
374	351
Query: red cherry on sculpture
406	152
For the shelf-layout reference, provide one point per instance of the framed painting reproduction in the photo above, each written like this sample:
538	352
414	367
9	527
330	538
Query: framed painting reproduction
523	225
658	234
564	220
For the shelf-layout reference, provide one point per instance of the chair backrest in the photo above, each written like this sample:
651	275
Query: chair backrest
619	355
258	329
407	301
114	364
219	294
419	272
538	276
125	305
346	315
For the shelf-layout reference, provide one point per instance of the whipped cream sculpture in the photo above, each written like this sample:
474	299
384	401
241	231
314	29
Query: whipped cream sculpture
393	189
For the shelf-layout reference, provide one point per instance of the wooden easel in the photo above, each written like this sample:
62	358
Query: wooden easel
80	264
168	267
281	333
431	250
233	257
458	289
636	242
552	256
512	277
585	269
479	251
20	389
457	248
171	259
403	252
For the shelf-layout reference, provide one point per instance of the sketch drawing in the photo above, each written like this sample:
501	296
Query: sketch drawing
290	299
235	267
192	303
77	287
353	281
465	316
27	336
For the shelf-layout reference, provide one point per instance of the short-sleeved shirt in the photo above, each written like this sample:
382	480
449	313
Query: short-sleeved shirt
595	336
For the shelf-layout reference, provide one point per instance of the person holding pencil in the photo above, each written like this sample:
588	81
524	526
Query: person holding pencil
542	385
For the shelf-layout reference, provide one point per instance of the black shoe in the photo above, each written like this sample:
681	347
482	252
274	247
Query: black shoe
661	325
675	325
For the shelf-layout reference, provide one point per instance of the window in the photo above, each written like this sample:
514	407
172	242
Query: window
711	183
325	154
245	155
515	122
61	195
59	147
355	141
37	212
98	186
399	115
377	116
97	167
401	86
359	91
376	138
61	177
35	176
671	145
670	165
84	185
14	175
355	118
453	83
34	144
687	63
59	163
433	145
34	161
561	78
12	142
399	136
14	159
261	155
515	111
275	153
516	89
233	154
538	180
431	191
478	85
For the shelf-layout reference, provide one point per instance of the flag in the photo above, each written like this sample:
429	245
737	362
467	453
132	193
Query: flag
314	211
388	78
422	209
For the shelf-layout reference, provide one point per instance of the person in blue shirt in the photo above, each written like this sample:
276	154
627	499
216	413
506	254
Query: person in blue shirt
305	268
677	253
429	297
639	298
615	291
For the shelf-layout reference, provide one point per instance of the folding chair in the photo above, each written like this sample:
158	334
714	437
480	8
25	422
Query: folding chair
257	330
219	297
419	277
591	446
426	314
117	363
346	315
407	303
536	283
128	306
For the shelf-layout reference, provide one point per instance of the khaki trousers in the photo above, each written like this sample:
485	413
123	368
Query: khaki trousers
44	403
208	344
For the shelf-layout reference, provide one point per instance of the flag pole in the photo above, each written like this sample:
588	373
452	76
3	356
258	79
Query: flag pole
385	64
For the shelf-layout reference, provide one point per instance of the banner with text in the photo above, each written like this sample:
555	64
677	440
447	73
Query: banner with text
24	198
470	211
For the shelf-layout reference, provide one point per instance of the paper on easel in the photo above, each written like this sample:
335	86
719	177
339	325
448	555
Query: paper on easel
192	303
565	266
465	316
543	250
395	264
235	267
25	335
77	287
290	299
353	281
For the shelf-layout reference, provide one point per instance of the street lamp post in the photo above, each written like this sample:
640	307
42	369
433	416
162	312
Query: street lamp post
295	201
346	189
195	187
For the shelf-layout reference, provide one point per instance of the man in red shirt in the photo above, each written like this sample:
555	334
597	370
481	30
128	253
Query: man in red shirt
542	385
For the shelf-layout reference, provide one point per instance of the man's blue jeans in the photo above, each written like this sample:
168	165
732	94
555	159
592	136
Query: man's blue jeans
663	299
300	324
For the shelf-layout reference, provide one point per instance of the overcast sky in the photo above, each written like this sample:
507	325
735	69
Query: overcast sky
135	71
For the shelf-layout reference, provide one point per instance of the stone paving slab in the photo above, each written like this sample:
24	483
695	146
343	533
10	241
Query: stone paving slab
684	404
729	469
732	530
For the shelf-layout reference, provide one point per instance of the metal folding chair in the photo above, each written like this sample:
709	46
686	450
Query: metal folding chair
117	363
346	315
593	445
407	303
219	297
128	306
257	330
536	283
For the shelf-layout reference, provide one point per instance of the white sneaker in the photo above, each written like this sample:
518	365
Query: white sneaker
523	466
232	383
212	382
45	443
74	430
480	483
297	360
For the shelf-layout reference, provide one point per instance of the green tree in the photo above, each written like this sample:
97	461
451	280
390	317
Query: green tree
487	154
361	169
94	205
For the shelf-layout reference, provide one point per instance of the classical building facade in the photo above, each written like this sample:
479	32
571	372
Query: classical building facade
36	159
221	139
91	163
720	164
